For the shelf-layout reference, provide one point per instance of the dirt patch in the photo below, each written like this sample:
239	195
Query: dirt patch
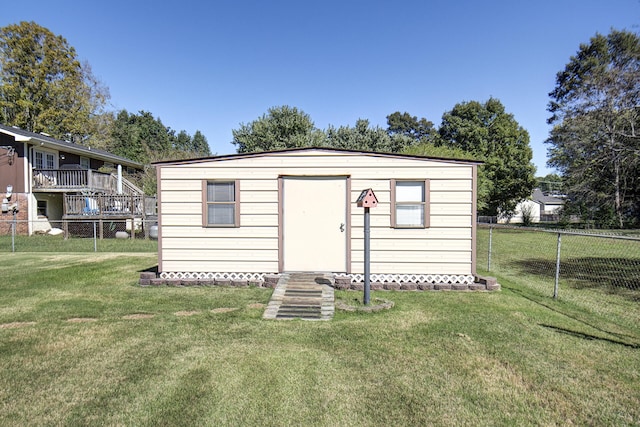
138	316
81	319
257	305
186	313
16	325
223	310
378	305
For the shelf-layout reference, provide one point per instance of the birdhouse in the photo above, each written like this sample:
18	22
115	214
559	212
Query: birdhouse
367	199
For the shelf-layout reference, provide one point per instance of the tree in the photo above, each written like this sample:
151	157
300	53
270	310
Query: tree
550	183
141	137
419	130
43	85
490	134
365	138
282	127
199	145
595	141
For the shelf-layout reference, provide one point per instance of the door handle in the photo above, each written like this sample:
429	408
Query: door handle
342	227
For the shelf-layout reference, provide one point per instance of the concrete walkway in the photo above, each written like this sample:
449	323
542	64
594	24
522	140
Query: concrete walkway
307	296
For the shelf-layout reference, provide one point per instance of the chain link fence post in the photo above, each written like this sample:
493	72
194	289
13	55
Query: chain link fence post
556	285
490	244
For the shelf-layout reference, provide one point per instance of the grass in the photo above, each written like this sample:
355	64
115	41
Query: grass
46	243
177	356
599	276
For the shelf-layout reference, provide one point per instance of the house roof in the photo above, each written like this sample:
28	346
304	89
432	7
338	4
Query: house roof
539	196
21	135
303	150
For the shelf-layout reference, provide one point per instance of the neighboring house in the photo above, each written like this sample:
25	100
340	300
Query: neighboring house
531	208
52	181
540	208
247	215
550	205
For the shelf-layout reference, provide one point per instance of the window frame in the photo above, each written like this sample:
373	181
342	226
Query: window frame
206	203
426	210
45	156
85	160
40	208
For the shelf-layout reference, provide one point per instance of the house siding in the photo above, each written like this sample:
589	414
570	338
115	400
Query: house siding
445	247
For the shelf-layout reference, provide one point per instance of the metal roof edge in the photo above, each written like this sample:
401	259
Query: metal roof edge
303	149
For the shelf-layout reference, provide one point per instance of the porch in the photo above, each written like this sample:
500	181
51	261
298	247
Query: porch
108	206
61	180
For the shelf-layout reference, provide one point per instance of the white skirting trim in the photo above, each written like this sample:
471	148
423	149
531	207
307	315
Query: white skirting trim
454	279
210	276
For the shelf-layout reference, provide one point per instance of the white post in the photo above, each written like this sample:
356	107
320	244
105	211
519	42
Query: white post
119	179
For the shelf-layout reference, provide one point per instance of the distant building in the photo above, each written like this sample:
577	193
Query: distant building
540	208
50	181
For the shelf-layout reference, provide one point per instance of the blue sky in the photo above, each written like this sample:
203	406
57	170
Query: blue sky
211	65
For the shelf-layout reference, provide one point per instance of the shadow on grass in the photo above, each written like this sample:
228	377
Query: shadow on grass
537	299
587	336
153	269
620	276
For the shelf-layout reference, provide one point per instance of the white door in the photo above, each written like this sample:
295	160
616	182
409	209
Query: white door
315	224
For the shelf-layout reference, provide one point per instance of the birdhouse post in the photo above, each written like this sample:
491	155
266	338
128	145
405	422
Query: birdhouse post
366	200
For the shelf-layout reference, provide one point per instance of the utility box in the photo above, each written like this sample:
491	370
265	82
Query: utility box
367	199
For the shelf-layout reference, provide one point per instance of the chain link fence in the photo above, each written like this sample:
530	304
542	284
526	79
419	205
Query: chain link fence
74	235
596	272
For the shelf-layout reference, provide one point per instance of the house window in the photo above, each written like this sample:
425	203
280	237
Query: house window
221	204
409	204
42	208
84	162
44	160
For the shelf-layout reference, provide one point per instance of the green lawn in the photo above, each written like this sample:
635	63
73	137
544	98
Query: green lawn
599	276
46	243
82	344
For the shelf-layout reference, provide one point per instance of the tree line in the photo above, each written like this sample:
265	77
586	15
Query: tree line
594	143
471	130
44	87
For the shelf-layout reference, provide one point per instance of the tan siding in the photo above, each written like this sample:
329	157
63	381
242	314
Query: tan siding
221	266
436	220
225	243
212	233
410	234
409	257
182	196
422	245
451	197
441	249
250	254
413	268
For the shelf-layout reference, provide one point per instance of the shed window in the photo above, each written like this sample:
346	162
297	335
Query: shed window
409	204
221	204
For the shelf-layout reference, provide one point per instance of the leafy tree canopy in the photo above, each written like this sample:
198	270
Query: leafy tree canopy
287	127
490	134
145	139
419	130
43	85
363	137
595	142
282	127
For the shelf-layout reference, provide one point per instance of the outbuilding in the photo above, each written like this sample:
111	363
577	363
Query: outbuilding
244	216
